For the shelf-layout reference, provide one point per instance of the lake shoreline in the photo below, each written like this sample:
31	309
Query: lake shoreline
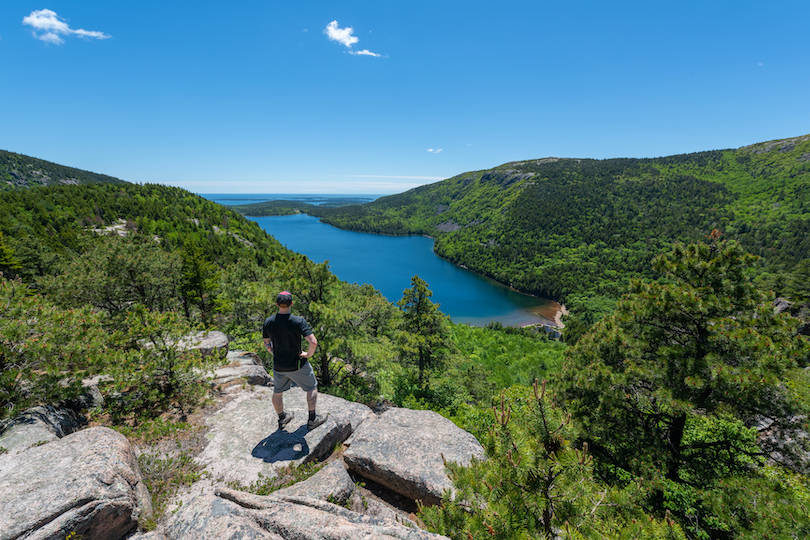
389	263
560	309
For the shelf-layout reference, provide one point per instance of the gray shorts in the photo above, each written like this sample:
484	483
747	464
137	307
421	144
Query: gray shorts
304	377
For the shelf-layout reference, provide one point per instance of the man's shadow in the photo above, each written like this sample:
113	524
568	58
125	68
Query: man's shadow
283	446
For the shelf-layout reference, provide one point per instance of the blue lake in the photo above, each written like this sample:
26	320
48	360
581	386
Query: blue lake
389	262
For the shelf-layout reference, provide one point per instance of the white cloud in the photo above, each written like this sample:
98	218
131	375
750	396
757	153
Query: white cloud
50	28
344	37
398	177
434	151
341	35
365	52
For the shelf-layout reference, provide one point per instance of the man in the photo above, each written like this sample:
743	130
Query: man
282	335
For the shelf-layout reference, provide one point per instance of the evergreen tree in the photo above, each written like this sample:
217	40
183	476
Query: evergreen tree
536	484
799	286
424	335
45	351
199	281
116	273
7	259
673	386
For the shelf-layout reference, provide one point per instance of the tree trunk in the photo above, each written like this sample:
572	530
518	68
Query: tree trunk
675	438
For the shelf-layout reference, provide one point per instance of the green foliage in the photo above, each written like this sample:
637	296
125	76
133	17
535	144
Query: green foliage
798	285
506	358
535	483
199	282
289	208
423	337
159	372
56	220
164	475
41	359
671	387
7	259
153	430
114	274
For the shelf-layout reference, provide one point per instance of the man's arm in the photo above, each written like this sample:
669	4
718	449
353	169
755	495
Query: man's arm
313	344
268	344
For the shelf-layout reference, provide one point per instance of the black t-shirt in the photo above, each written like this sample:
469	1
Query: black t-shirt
285	332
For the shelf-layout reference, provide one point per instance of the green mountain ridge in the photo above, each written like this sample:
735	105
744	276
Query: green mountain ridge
563	228
18	171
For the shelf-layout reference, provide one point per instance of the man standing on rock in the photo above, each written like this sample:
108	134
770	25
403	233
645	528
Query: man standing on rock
282	335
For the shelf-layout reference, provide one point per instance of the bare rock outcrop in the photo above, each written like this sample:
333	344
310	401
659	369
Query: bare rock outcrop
242	366
245	445
37	425
208	343
87	482
232	515
332	484
404	450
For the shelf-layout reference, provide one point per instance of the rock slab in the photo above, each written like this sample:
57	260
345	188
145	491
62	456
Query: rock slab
232	515
36	426
402	449
87	482
245	444
332	484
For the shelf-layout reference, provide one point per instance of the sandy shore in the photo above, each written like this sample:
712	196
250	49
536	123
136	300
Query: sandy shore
558	317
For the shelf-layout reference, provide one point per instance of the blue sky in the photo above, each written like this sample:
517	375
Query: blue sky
378	97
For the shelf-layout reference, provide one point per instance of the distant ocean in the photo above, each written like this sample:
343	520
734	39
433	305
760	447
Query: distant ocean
253	198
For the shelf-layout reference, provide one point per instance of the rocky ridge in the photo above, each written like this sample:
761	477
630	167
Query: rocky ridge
57	479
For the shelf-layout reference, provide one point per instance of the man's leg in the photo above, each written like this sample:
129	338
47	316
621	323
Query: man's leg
280	384
312	398
310	386
278	402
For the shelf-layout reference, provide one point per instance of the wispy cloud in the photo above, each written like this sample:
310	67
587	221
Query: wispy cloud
434	150
50	28
345	37
366	52
397	177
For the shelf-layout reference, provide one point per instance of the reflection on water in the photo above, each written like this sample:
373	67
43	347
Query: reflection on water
389	262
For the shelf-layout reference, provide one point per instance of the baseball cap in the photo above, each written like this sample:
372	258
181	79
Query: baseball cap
284	298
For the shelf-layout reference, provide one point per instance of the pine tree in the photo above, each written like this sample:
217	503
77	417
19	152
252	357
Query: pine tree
424	334
7	259
535	483
674	385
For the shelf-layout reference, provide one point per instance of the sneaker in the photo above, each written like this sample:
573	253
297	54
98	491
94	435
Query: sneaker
282	422
319	419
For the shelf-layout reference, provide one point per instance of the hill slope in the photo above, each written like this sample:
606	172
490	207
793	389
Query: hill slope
19	172
561	227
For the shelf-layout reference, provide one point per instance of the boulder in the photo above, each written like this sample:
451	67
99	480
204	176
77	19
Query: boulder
404	450
232	515
36	426
332	484
250	374
243	358
208	343
780	305
244	443
87	482
241	366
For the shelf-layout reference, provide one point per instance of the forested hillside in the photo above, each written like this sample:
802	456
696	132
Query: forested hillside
19	172
568	229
